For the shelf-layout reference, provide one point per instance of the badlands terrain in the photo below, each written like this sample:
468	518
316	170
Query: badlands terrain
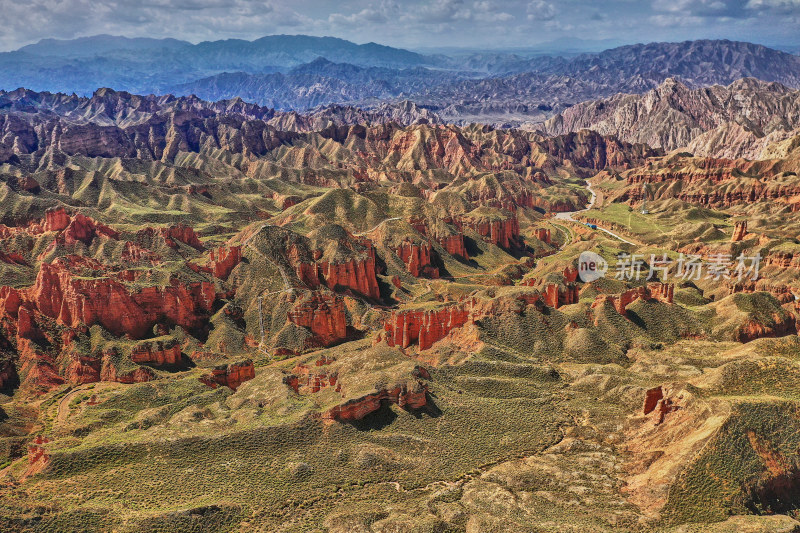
215	316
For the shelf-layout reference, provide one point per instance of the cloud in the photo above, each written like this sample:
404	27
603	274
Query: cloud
774	6
703	8
541	10
410	23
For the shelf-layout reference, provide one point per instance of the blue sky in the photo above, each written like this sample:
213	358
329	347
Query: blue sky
409	24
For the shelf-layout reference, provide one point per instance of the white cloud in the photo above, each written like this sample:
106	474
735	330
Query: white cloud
541	10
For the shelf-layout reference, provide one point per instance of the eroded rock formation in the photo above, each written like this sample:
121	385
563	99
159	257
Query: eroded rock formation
406	395
323	314
232	375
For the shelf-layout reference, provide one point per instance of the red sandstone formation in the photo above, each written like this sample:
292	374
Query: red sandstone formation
356	273
324	315
502	232
739	231
231	376
56	219
660	406
76	292
424	327
180	232
652	397
454	244
110	372
224	259
71	229
662	292
133	253
414	396
83	370
417	258
756	330
85	229
556	294
106	301
221	262
543	234
305	381
783	293
157	353
38	458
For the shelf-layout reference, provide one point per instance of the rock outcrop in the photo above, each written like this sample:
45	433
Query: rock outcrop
425	327
309	380
157	353
739	231
58	293
662	292
502	230
340	261
323	314
558	294
180	233
221	261
418	259
405	395
454	245
543	234
231	376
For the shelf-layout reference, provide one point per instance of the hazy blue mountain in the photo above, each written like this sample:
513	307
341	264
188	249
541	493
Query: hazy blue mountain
297	72
99	45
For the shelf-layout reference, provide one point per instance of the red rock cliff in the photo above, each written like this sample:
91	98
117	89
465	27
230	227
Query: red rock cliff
425	327
739	231
323	314
417	258
231	376
406	396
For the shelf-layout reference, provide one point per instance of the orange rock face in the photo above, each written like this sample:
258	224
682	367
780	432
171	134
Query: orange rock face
324	315
503	233
231	376
308	380
652	397
74	292
424	327
543	234
181	233
739	231
662	292
413	396
755	330
58	294
71	229
221	262
556	295
157	353
417	258
357	273
84	229
224	259
454	244
56	219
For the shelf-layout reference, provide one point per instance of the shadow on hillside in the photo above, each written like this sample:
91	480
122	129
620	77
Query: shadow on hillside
378	419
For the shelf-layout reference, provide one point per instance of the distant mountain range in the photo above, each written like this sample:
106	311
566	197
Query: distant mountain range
740	120
301	73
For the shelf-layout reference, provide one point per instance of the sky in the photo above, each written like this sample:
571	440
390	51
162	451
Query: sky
414	24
